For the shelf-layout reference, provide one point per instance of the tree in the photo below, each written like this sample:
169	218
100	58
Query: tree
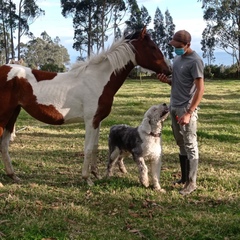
138	18
208	43
4	45
91	20
16	20
170	29
45	53
28	12
163	32
223	24
8	23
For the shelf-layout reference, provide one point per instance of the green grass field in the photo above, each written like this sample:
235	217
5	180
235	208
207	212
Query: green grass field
53	202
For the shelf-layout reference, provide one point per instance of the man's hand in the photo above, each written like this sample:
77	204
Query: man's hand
163	78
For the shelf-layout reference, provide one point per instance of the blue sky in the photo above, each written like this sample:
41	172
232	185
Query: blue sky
186	14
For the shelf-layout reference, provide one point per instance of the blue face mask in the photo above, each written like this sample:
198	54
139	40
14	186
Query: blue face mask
179	51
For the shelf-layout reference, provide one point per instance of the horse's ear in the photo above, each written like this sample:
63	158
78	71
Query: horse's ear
143	32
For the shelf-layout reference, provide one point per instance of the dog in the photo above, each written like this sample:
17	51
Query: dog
142	142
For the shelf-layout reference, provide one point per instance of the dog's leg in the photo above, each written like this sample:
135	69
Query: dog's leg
156	169
143	171
121	165
113	158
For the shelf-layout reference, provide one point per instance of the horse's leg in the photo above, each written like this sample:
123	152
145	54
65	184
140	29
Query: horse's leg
13	134
5	139
94	168
90	152
4	144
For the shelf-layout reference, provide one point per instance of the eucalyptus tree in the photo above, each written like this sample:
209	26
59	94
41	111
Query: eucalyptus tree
119	12
139	17
163	30
91	20
8	20
208	44
15	17
223	24
42	51
28	12
169	30
4	45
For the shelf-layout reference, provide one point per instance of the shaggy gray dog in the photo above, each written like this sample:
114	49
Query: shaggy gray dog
143	142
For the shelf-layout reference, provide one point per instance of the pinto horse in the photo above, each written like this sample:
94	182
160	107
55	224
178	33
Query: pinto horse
85	92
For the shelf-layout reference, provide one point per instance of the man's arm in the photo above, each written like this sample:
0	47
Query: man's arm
199	82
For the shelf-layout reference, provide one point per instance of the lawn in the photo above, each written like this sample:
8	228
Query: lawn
53	202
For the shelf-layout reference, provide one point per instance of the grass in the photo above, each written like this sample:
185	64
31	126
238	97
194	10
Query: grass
52	201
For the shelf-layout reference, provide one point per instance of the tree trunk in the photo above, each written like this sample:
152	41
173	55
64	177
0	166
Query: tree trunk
11	32
19	31
89	32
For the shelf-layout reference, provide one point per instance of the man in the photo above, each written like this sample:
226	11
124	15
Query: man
187	88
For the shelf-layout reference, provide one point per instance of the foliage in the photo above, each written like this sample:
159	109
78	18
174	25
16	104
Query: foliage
223	27
53	202
163	32
45	53
8	20
221	72
16	19
138	18
208	45
91	19
51	67
28	12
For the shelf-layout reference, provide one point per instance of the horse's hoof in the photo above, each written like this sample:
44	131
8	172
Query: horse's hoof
14	178
161	190
96	175
89	182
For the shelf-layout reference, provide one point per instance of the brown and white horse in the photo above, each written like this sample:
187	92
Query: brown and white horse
85	92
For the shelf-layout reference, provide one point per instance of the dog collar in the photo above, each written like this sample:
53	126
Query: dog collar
155	134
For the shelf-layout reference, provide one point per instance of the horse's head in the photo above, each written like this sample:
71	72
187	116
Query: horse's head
147	53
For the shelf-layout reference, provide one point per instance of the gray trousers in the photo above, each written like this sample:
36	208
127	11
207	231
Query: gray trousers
185	136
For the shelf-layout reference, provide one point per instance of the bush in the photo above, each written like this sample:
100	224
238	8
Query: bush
221	72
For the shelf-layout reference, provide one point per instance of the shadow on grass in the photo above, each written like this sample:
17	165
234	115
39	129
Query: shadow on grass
220	137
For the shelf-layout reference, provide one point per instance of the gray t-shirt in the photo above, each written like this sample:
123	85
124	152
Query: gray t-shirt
186	69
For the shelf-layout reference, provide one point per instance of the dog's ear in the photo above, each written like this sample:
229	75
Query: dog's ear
145	126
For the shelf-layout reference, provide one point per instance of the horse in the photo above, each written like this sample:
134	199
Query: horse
84	93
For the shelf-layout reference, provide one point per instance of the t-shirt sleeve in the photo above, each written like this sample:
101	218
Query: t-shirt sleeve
198	69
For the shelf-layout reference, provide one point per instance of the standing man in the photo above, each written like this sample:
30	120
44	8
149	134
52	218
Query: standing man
187	88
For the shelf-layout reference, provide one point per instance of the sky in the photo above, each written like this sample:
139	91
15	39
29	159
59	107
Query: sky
186	14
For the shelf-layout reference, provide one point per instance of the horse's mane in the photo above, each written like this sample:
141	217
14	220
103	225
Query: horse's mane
118	54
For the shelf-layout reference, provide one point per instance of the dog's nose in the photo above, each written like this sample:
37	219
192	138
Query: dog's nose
164	104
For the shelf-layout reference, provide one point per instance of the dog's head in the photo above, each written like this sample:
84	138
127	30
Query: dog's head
153	119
